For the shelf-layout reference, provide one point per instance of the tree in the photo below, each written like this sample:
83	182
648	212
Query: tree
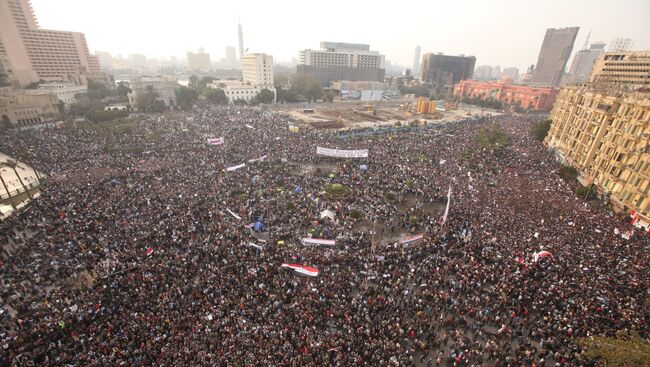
123	91
541	129
307	85
185	97
240	101
13	164
5	123
193	82
97	91
216	96
419	91
265	96
202	84
146	101
626	349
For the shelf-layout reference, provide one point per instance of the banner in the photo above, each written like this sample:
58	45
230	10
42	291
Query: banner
257	159
411	239
234	168
444	217
233	214
250	127
304	270
250	244
340	153
215	141
318	241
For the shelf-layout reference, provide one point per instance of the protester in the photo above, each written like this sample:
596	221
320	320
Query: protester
134	254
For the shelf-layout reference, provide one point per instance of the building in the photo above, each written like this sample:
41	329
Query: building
416	61
583	62
21	109
538	98
236	90
105	60
444	70
7	76
554	54
64	92
603	130
36	53
240	33
364	90
199	61
512	73
164	88
230	60
257	69
623	68
342	61
483	72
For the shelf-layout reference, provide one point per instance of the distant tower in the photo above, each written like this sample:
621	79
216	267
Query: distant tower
241	42
416	62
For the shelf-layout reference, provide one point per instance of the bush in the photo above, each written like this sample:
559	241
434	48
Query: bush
355	214
337	190
101	115
587	192
568	173
626	349
389	196
541	129
492	137
413	220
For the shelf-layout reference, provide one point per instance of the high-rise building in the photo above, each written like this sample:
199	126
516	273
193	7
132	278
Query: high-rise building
105	60
483	72
342	61
620	45
444	70
199	61
257	69
554	54
36	53
628	68
416	61
583	61
230	60
240	33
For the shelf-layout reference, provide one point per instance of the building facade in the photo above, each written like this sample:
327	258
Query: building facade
583	62
553	55
512	73
524	96
164	88
21	109
416	61
199	61
623	68
257	69
342	61
444	70
603	130
37	53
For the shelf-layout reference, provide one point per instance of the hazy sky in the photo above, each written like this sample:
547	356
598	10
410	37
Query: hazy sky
497	32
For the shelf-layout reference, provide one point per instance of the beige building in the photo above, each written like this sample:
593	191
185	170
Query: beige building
199	61
603	130
22	109
623	68
257	69
164	88
36	53
64	92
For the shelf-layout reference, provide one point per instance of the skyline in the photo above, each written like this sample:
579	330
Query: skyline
394	33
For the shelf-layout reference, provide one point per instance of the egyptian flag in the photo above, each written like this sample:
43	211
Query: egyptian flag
303	270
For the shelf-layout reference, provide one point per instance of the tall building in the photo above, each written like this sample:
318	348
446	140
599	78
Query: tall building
623	68
257	69
230	60
37	53
583	61
554	54
105	60
604	131
443	70
342	61
416	61
240	33
199	61
620	45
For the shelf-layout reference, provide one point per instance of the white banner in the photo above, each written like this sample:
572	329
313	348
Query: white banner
340	153
250	244
318	241
444	217
234	168
411	239
233	214
216	141
257	159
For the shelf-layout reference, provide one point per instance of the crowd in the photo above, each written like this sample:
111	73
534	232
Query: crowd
137	252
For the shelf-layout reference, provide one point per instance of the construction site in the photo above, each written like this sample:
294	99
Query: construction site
359	114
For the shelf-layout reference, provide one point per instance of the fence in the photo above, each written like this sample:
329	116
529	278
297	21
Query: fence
19	190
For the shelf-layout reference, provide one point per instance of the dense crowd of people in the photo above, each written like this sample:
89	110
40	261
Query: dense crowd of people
138	251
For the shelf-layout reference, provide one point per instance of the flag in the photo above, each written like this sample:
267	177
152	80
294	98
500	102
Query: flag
444	217
411	239
300	269
149	251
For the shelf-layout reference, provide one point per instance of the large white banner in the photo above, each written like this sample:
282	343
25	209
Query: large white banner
444	217
215	141
234	168
340	153
318	241
257	159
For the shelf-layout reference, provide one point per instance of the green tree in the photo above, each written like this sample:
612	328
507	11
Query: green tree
123	91
146	101
193	82
97	91
265	96
240	101
216	96
541	129
185	97
307	85
626	349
